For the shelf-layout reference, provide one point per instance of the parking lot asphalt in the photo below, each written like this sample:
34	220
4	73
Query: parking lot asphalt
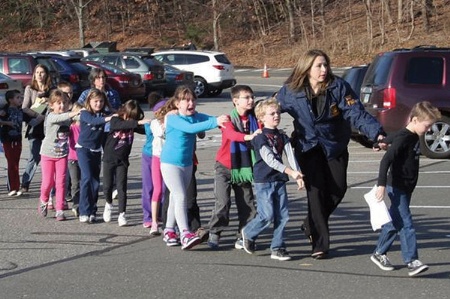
43	258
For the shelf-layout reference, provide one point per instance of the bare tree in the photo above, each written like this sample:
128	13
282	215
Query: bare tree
369	22
79	7
289	7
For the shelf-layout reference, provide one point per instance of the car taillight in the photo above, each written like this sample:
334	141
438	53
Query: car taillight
4	86
219	67
149	76
179	77
389	98
74	78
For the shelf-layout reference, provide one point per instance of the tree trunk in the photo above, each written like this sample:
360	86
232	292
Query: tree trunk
399	11
291	21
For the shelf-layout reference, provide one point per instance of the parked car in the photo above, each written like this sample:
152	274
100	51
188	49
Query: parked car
396	80
151	71
64	53
72	71
129	85
20	66
176	77
354	76
8	83
213	72
83	52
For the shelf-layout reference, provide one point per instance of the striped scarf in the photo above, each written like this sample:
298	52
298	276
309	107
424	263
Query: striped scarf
242	155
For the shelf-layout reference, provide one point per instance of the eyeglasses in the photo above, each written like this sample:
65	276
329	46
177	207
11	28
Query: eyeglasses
274	113
100	77
248	98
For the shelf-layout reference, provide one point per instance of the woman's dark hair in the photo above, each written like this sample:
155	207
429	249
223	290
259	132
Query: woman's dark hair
95	73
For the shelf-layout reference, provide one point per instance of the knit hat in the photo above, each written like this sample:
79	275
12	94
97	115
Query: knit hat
159	105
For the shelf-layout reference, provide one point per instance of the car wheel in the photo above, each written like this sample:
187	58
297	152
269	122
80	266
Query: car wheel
435	143
201	89
215	92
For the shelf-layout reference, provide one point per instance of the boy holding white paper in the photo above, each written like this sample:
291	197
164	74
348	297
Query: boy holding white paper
398	174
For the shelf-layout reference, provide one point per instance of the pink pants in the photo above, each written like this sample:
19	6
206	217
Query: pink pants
157	179
54	174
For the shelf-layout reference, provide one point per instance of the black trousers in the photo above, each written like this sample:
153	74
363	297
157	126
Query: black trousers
193	210
115	171
326	184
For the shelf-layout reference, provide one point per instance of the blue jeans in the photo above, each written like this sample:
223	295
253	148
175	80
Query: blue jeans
33	161
401	223
89	163
272	204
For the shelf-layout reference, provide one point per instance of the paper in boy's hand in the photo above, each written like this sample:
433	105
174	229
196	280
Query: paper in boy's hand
379	213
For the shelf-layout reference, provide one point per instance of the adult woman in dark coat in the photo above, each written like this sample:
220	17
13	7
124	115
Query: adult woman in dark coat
324	108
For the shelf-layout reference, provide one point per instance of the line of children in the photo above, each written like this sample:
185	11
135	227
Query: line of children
117	149
181	128
270	177
233	168
11	137
54	151
398	175
89	148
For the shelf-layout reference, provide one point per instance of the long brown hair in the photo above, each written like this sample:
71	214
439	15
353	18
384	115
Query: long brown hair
47	82
299	75
96	93
131	110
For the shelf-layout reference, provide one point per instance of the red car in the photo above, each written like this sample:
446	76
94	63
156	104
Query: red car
128	85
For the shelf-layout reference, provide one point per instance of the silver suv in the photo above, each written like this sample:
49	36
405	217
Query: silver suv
213	72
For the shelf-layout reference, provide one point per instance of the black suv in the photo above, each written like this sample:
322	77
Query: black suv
398	79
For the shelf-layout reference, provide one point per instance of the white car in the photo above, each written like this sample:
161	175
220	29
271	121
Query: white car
7	83
213	72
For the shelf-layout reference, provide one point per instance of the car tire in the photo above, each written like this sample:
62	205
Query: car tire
435	144
201	88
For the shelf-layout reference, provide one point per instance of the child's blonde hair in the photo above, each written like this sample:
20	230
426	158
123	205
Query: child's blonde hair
56	96
425	111
261	106
96	93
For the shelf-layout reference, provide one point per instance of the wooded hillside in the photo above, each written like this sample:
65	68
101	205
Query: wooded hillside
251	32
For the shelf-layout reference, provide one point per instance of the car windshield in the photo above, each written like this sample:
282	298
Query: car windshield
4	77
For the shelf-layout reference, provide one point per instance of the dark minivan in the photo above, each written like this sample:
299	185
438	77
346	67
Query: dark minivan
398	79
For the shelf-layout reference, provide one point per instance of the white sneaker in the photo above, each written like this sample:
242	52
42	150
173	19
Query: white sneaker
12	193
107	212
122	219
84	218
114	194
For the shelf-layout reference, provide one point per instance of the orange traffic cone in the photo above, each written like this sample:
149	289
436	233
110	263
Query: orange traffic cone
265	73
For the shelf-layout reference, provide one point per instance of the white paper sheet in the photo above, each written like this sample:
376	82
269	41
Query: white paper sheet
379	213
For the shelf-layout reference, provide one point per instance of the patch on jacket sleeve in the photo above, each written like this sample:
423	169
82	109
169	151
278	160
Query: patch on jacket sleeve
334	110
350	101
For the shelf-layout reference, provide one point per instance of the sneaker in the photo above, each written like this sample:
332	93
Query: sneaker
213	241
24	189
92	219
147	224
12	193
75	211
382	261
416	267
84	218
114	194
239	244
171	238
189	240
60	216
107	212
19	193
154	230
280	254
43	209
122	220
248	245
